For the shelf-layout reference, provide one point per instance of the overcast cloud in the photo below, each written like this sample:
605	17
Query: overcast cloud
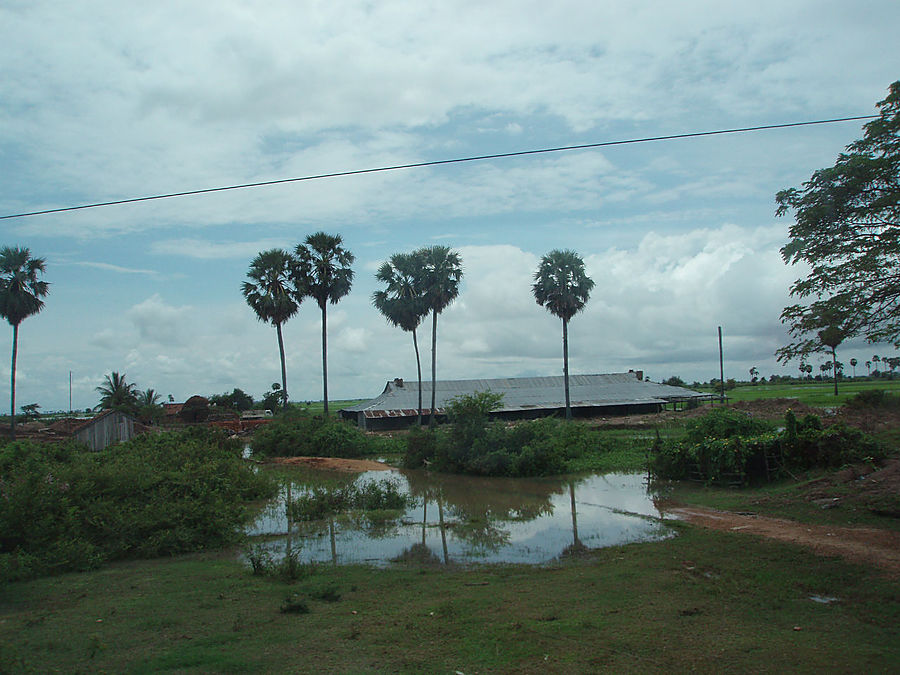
103	100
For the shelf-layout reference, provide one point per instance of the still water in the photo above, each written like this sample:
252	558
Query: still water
463	520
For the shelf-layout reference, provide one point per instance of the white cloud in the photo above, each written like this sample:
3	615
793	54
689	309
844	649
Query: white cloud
160	323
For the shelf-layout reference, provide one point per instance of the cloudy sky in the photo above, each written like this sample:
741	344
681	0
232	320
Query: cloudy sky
105	100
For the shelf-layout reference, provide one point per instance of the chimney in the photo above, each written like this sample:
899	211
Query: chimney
398	382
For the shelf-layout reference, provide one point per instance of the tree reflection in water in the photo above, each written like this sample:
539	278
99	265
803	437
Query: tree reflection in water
464	518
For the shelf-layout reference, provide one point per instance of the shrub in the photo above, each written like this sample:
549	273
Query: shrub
473	444
874	398
729	447
299	434
66	508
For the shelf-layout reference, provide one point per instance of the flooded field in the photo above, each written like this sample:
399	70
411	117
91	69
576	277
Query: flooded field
463	519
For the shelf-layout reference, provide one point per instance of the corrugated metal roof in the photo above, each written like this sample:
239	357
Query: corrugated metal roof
400	398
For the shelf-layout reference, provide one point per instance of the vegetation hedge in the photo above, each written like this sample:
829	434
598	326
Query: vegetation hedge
729	446
474	444
296	433
63	507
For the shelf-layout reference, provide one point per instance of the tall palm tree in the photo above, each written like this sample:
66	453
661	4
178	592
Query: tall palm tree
272	294
117	394
322	271
853	363
563	287
441	275
20	297
148	397
403	301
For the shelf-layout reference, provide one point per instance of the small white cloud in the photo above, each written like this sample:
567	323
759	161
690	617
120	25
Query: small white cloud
160	323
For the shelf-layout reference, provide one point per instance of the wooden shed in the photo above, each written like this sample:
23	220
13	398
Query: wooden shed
107	428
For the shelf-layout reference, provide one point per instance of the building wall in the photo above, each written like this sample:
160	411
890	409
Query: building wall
106	430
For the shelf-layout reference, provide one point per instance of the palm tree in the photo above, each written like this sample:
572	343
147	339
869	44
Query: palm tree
562	286
272	294
853	363
441	275
322	271
20	297
868	368
403	301
148	397
117	394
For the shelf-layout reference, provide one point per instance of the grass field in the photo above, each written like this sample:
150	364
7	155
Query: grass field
703	601
819	394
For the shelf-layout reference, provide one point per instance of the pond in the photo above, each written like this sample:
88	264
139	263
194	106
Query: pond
465	519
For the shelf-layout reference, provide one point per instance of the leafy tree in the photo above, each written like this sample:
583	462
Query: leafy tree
322	271
754	374
563	287
31	410
273	295
847	231
117	394
442	273
21	291
403	301
237	400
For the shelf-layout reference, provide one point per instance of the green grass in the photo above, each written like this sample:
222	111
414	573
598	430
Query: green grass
818	394
786	499
705	601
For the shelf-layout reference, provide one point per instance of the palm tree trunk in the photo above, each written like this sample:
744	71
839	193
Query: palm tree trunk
284	391
834	368
566	366
419	372
325	359
433	365
12	395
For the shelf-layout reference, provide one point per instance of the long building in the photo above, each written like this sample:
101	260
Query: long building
523	398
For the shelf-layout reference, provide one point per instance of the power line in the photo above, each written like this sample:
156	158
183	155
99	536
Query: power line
439	162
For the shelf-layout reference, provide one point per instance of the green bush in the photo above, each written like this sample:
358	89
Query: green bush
299	434
724	422
727	446
473	444
66	508
874	398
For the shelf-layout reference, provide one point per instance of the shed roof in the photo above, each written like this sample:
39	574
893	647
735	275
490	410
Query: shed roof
400	398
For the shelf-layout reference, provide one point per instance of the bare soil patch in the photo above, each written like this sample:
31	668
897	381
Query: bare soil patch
868	546
334	463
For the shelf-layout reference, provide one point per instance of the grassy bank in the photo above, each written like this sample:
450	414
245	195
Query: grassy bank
703	601
817	394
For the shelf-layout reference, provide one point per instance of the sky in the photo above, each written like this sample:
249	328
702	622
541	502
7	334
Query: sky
104	100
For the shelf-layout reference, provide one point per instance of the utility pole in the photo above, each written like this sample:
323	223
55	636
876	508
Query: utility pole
721	367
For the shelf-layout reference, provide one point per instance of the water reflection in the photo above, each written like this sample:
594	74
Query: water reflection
459	519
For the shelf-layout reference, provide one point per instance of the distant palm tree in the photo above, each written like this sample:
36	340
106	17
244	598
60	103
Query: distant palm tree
853	363
442	273
563	287
403	301
20	297
272	294
322	271
148	397
868	367
117	394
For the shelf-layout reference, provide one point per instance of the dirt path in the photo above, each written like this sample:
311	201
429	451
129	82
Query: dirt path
335	463
869	546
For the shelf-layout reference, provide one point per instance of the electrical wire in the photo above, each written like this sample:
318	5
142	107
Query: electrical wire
439	162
